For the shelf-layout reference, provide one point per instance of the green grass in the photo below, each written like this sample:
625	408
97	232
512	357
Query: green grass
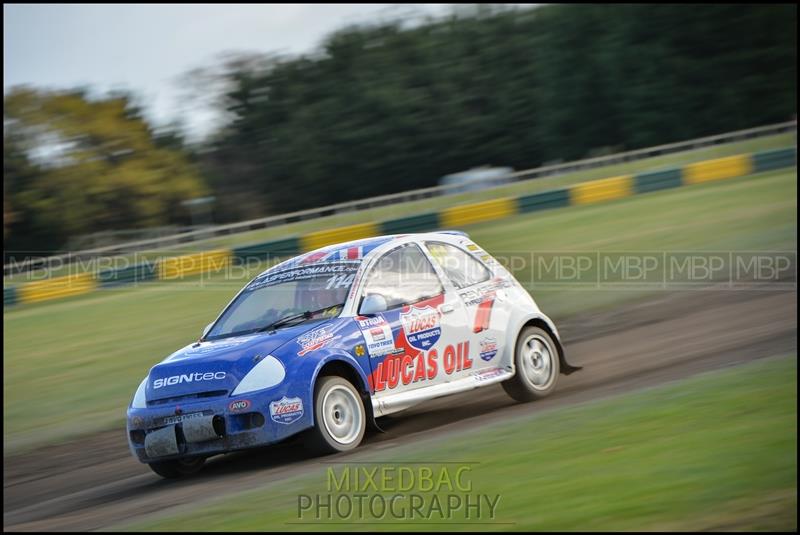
72	366
429	205
714	452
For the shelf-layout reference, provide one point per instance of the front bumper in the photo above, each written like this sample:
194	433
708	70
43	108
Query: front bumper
201	428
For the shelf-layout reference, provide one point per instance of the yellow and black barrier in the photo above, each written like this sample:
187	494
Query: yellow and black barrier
56	288
467	214
179	267
594	191
321	238
606	189
718	169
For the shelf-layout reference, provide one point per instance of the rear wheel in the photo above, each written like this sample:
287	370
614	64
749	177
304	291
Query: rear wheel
177	468
537	366
339	416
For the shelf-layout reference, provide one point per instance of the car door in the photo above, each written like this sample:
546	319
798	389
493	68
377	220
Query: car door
414	343
483	298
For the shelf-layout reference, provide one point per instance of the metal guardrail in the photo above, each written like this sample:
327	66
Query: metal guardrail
210	233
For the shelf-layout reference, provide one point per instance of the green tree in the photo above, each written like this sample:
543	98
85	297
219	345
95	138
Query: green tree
98	166
393	106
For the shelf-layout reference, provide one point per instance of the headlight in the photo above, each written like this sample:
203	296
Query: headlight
139	401
266	374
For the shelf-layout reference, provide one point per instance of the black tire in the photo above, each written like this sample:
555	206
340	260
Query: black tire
342	402
177	468
533	381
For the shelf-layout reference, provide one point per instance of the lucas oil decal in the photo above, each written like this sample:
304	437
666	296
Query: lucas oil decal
286	410
313	340
405	369
421	326
378	335
488	349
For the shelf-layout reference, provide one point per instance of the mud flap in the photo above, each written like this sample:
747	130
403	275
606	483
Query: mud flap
372	422
566	367
161	442
199	429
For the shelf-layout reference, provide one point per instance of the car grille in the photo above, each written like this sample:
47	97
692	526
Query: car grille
188	397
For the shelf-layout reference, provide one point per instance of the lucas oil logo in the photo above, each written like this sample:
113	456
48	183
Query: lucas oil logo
286	410
421	326
488	349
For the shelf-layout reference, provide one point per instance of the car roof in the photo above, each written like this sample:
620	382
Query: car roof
354	250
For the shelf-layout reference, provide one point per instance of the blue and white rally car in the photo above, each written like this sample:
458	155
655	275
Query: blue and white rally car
329	341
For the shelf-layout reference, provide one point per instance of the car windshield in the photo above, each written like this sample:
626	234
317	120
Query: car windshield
272	296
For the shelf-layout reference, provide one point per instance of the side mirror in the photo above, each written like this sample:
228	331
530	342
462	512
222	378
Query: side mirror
372	304
205	331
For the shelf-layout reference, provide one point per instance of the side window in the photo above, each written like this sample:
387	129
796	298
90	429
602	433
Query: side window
403	276
461	268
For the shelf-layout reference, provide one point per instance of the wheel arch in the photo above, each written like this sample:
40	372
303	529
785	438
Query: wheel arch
342	366
549	327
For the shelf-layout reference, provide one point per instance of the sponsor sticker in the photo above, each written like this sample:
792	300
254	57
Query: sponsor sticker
303	273
475	296
210	346
404	369
313	340
487	373
181	418
421	326
488	349
377	333
187	378
359	350
286	410
239	405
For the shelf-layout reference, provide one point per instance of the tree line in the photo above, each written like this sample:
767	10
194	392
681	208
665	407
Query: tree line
394	106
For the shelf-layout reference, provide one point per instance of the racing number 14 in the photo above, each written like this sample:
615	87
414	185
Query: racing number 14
339	281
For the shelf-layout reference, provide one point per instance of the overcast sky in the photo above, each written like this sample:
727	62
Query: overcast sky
145	48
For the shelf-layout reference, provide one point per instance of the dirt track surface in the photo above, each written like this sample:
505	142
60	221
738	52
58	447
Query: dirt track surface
96	483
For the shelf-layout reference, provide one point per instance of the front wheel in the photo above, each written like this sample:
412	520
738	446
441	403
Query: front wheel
339	416
177	468
537	366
